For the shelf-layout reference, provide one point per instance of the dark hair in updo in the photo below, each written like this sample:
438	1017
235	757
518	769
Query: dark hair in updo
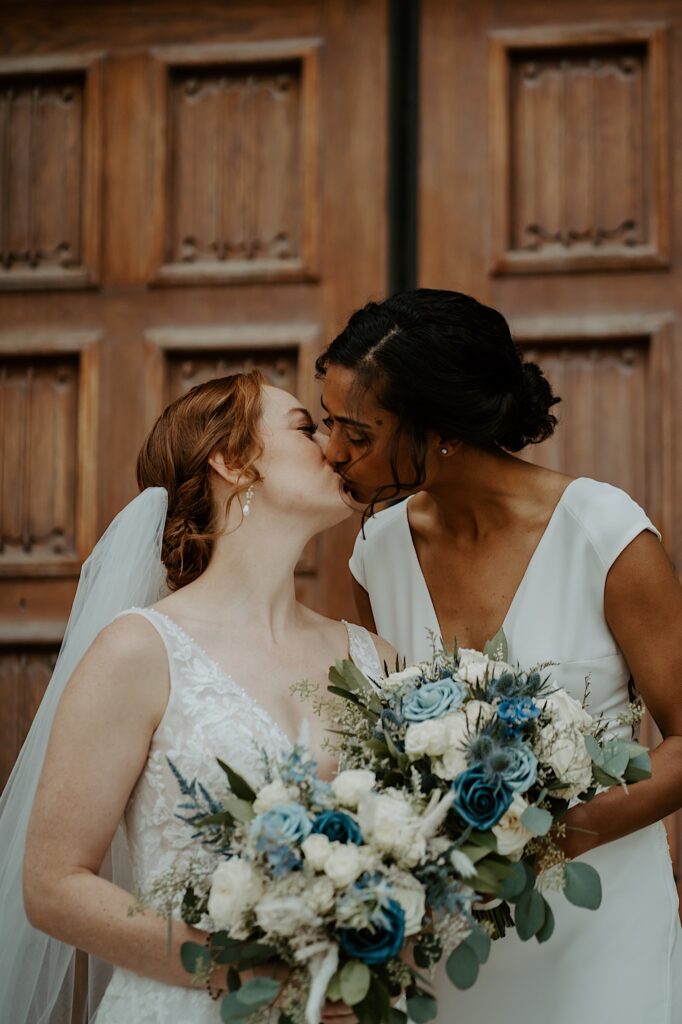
223	415
444	363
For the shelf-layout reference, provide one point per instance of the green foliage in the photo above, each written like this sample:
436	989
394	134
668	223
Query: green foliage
354	982
582	885
537	820
530	914
462	966
196	959
521	880
334	988
497	649
421	1008
376	1006
238	784
547	929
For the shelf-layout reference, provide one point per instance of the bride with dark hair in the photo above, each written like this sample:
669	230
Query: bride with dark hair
184	638
428	399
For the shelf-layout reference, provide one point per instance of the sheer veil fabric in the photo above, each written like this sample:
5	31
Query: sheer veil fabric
124	570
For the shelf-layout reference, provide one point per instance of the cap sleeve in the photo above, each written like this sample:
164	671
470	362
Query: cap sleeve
356	562
612	520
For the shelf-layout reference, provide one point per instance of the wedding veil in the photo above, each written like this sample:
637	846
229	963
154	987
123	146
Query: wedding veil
124	570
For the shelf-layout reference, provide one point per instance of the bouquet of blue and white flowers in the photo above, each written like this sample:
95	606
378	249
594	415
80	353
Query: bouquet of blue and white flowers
318	875
511	752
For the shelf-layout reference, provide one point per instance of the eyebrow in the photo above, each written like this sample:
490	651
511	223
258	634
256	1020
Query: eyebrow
300	412
347	419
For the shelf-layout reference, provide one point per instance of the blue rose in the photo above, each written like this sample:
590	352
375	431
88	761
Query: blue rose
481	798
517	711
285	824
338	827
522	770
432	700
381	942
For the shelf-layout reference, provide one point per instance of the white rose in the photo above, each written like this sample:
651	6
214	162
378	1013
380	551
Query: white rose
478	714
316	849
450	764
235	889
343	864
272	794
430	737
411	896
284	915
473	666
396	680
349	786
320	894
564	708
512	835
389	821
563	749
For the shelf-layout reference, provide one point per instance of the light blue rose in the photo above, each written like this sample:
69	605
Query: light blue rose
285	824
432	700
523	769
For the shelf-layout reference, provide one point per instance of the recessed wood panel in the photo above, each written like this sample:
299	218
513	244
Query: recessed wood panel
577	138
604	413
24	675
184	369
49	172
39	401
241	144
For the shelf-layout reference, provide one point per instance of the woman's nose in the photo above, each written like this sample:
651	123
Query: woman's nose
333	452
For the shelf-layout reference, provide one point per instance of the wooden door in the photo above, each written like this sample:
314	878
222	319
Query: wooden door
185	189
550	144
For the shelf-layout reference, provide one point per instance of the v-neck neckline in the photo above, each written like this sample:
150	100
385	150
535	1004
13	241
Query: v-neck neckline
435	622
225	674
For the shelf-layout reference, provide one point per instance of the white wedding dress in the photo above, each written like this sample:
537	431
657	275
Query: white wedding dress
623	962
208	715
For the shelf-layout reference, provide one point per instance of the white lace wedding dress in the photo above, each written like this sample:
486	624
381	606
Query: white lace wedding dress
623	962
208	715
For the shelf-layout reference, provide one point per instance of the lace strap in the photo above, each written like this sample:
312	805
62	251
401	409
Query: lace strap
363	651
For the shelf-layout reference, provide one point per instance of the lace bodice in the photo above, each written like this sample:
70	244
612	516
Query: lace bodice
208	715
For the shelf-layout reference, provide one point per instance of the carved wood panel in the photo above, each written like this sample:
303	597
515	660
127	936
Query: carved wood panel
604	418
241	140
576	134
185	369
24	674
38	458
49	173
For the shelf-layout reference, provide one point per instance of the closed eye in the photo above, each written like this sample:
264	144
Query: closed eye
310	429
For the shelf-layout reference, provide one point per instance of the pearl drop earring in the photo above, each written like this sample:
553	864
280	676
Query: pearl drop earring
247	504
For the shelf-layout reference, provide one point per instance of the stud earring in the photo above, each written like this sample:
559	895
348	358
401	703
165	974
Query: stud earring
247	504
444	451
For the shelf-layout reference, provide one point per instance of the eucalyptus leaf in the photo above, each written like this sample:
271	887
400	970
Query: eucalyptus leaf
521	879
258	991
639	767
195	958
582	885
231	1010
376	1006
421	1008
594	750
354	981
238	784
497	649
333	992
616	761
224	949
480	942
530	914
462	967
241	810
537	820
253	954
547	929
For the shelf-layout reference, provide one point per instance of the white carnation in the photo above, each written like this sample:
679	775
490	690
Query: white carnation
316	849
272	794
411	896
390	823
396	680
343	864
563	749
430	737
284	915
566	709
320	894
473	666
478	714
512	835
235	889
351	785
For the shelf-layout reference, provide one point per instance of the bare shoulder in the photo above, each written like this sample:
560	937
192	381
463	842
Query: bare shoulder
126	659
387	652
